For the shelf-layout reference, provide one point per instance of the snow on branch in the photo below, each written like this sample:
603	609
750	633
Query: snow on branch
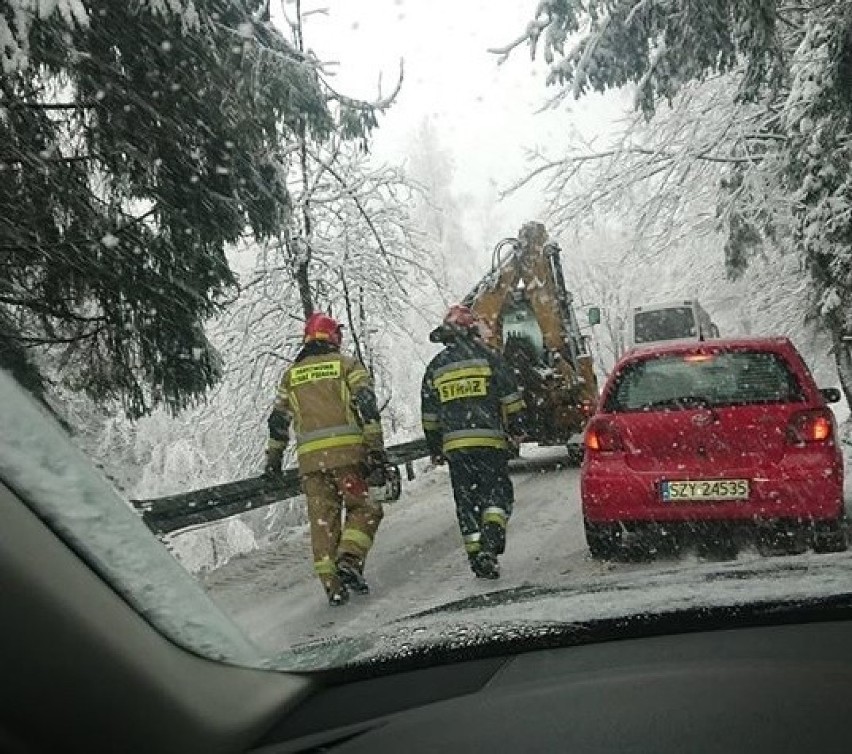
16	26
350	191
380	104
672	176
530	35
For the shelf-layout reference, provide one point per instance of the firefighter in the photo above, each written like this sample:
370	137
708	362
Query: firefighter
328	399
471	410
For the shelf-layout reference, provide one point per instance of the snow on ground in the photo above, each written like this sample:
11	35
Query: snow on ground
418	564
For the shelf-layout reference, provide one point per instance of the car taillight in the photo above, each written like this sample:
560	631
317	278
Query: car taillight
808	427
603	436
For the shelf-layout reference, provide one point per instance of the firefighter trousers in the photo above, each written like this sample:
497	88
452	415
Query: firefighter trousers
332	494
484	498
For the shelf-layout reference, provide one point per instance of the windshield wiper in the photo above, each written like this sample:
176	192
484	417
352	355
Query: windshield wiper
476	640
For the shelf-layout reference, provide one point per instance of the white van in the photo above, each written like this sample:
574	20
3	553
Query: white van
680	320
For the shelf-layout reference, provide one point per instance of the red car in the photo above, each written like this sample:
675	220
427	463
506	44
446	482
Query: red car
709	441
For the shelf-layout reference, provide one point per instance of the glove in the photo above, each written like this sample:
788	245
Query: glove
376	462
274	459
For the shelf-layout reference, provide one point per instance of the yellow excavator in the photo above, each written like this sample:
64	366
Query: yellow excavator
531	320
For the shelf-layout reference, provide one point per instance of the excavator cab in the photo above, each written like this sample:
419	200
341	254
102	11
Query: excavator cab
521	326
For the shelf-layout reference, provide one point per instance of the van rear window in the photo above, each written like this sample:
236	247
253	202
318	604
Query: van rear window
713	379
664	324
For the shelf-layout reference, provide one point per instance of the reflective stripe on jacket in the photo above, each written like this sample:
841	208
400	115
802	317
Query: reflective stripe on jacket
469	399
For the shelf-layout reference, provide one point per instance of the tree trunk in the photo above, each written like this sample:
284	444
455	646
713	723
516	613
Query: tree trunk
307	227
304	284
299	262
351	320
306	252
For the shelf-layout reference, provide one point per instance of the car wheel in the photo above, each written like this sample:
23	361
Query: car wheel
602	539
830	536
783	538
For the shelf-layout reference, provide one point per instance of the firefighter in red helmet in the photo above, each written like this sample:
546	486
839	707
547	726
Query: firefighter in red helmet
471	409
327	398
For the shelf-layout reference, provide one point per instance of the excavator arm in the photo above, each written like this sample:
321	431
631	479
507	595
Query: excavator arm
490	296
530	317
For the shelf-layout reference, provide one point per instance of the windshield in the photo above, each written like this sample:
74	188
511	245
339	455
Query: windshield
664	324
719	379
520	323
354	311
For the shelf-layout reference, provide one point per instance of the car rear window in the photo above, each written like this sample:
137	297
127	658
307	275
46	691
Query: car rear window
693	380
664	324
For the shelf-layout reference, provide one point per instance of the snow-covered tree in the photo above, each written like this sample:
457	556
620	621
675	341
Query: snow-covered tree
818	160
139	139
745	110
660	45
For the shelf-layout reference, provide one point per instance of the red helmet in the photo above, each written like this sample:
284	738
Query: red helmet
461	316
459	319
320	326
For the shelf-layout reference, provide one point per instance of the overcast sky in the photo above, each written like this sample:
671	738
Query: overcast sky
485	114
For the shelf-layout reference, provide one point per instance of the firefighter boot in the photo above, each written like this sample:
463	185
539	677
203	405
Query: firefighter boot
336	592
350	569
484	565
335	589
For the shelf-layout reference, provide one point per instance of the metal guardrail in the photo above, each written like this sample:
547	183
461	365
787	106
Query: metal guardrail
165	515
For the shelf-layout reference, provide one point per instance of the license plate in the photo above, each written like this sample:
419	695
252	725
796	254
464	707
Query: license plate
706	489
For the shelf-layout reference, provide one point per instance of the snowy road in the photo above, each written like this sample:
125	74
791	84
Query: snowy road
417	561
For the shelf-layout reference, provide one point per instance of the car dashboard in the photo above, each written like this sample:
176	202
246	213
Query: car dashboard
762	689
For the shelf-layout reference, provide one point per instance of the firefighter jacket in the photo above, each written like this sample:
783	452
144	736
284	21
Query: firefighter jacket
327	397
469	399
